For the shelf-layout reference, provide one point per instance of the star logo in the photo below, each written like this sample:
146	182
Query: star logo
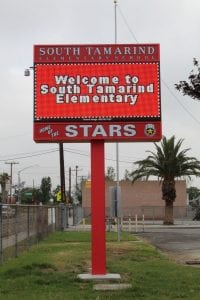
150	129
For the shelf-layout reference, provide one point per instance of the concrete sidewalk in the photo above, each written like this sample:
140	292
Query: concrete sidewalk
140	226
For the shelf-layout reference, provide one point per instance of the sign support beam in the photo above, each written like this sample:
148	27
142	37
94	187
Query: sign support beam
62	172
98	208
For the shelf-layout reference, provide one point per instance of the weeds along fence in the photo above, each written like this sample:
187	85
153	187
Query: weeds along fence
22	226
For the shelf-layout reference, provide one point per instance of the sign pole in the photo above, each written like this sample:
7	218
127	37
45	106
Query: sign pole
98	208
62	172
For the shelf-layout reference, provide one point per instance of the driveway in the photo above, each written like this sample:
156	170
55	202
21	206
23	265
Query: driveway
181	244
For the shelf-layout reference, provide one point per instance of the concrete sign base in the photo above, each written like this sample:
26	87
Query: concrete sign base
108	276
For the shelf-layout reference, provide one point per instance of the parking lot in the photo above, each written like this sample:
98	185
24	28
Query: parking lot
181	244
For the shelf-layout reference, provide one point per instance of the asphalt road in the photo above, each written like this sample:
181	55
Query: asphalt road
181	244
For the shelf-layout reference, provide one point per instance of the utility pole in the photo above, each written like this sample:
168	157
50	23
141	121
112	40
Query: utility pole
76	179
62	173
11	166
117	146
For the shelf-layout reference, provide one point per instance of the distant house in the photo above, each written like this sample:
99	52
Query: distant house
142	197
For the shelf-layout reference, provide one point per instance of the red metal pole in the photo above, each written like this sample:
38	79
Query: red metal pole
98	208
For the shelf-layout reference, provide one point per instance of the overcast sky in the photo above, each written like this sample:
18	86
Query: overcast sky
174	24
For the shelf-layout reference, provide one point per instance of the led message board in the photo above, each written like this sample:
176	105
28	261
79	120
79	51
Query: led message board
109	92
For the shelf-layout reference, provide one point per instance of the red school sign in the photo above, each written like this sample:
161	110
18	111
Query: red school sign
97	94
87	92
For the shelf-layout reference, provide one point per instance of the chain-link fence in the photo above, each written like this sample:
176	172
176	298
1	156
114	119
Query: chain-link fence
22	226
134	219
151	214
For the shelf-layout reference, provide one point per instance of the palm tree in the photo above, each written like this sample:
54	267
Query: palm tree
3	180
167	163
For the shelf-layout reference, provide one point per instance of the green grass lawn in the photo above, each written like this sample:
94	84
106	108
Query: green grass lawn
49	271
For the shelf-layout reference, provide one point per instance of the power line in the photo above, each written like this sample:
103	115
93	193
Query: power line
191	115
82	154
28	156
36	153
27	153
129	28
134	37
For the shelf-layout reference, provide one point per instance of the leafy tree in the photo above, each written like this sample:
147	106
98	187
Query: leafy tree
191	88
4	178
193	192
30	195
197	214
168	162
26	195
45	189
110	174
37	196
